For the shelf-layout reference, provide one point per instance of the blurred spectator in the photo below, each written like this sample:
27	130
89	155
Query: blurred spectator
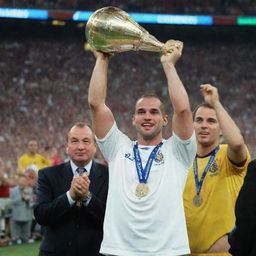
56	159
41	95
51	154
36	229
22	201
32	160
6	182
47	154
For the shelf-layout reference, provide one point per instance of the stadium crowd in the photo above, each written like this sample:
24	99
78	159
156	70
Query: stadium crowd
44	84
223	7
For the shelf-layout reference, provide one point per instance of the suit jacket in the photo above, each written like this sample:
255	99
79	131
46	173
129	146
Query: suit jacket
243	239
70	231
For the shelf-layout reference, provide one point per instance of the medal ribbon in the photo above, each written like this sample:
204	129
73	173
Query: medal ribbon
143	174
199	183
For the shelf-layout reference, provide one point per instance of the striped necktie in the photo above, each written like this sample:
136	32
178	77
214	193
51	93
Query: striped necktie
80	172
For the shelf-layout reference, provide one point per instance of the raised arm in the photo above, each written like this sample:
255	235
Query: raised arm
236	147
182	116
102	117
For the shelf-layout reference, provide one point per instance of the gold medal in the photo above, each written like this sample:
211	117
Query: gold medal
142	190
197	200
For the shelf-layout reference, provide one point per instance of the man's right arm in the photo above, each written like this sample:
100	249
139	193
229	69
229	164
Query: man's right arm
49	209
102	117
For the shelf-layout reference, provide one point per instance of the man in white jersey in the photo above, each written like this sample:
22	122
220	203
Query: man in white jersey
144	213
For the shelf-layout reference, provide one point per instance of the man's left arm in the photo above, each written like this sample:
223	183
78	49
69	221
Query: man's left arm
237	151
96	206
182	116
95	202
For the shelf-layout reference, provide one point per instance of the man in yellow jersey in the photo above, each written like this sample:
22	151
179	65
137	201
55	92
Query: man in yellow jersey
216	176
32	159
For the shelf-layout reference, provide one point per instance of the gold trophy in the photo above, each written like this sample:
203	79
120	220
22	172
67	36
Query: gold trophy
112	30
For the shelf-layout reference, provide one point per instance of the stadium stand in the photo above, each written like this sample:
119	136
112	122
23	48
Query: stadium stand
45	72
224	7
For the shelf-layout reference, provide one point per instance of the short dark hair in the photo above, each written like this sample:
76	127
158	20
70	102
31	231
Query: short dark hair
81	124
204	105
153	95
32	139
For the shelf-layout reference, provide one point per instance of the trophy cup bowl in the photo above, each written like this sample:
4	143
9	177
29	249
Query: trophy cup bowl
112	30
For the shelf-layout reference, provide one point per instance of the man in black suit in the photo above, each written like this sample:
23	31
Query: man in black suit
71	205
243	239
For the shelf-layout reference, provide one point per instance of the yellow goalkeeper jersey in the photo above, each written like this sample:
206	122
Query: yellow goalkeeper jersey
215	216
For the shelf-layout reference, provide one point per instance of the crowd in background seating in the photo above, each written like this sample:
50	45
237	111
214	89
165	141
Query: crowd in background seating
214	7
44	84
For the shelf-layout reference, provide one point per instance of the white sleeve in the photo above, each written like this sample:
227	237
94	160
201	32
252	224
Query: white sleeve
70	200
112	143
185	150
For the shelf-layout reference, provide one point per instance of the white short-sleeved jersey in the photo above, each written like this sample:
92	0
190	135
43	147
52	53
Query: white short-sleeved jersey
155	224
